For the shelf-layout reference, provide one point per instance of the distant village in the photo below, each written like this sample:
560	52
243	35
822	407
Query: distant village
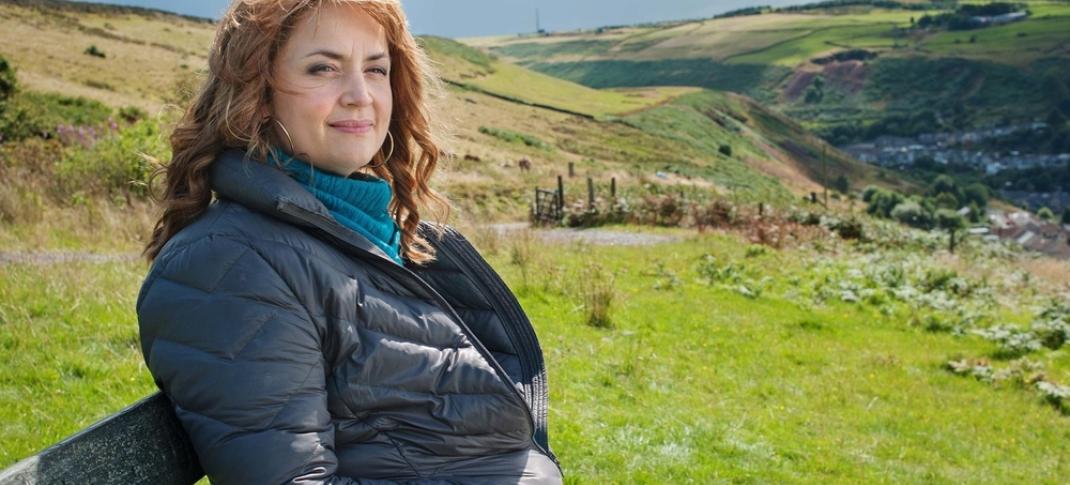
951	148
1021	227
1028	231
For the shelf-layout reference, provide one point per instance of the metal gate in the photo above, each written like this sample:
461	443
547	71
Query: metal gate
548	206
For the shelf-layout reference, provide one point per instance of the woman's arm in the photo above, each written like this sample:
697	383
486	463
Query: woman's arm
235	350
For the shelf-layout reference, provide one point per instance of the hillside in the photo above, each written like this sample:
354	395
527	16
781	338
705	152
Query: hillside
706	143
706	339
832	67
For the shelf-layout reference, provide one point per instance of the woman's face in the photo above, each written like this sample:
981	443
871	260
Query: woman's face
334	89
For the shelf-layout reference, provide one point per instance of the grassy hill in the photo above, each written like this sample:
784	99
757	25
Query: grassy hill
694	139
144	50
769	348
933	78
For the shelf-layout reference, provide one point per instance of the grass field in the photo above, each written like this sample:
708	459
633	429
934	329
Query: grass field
70	348
694	382
462	64
698	385
144	53
720	361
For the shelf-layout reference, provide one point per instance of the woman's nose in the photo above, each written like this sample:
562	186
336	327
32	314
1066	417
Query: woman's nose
356	91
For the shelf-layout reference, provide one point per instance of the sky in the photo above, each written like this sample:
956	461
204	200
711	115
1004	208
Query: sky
474	18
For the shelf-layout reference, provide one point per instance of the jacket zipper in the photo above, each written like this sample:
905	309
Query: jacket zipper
528	344
327	226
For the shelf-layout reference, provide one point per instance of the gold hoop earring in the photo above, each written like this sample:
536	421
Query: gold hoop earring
390	136
287	133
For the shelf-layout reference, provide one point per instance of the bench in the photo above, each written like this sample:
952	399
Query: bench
143	443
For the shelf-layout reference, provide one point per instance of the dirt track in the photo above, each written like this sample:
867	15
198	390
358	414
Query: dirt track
599	237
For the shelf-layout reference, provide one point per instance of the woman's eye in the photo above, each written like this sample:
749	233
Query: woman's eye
319	68
380	70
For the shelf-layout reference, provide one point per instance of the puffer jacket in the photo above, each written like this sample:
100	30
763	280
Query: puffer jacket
294	351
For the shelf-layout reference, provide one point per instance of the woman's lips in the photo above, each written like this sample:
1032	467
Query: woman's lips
355	127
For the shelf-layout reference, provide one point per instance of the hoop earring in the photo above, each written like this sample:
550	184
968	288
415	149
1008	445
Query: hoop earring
311	171
390	136
287	133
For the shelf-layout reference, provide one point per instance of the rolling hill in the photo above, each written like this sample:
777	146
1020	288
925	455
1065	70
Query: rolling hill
767	349
498	113
833	66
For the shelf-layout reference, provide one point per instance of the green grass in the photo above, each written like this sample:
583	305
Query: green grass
1017	43
70	349
799	50
692	384
470	67
690	121
993	77
515	137
701	384
743	78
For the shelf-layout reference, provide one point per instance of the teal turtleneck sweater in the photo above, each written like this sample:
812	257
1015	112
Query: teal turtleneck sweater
359	202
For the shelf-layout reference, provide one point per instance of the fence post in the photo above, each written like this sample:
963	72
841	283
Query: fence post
571	169
590	193
613	188
560	196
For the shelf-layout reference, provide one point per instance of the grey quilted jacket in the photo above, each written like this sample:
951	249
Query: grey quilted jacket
295	351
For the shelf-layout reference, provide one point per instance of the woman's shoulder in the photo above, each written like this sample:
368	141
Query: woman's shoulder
228	225
231	249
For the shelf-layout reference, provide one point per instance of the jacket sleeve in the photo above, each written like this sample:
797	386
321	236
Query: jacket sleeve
229	342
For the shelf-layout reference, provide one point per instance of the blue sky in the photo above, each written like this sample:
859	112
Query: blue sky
469	18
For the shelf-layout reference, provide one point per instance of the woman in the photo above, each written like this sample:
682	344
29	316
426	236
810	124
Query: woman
306	325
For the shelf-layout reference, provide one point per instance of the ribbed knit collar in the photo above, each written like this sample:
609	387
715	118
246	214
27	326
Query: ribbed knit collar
360	202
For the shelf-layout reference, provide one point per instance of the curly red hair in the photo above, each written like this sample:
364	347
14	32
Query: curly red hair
227	112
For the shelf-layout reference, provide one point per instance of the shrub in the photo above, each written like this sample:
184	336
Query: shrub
882	202
8	81
730	276
946	201
522	253
93	51
717	213
32	114
977	194
661	210
1052	325
714	272
869	192
1012	341
725	150
667	279
515	137
849	228
1055	394
598	291
949	220
912	214
117	164
132	114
